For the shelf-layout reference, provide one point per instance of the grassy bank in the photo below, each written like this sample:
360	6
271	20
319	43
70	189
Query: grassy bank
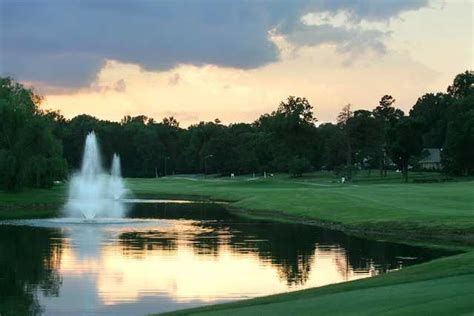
440	287
32	203
427	213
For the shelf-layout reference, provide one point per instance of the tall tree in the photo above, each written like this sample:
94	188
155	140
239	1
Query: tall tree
292	131
342	121
431	110
458	152
366	137
463	85
387	115
405	142
171	121
332	146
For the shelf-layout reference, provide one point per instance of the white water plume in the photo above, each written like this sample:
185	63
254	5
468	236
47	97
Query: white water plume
94	192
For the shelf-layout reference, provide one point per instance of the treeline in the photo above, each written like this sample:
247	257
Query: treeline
37	147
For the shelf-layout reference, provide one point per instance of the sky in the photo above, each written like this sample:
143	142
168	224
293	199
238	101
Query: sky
199	60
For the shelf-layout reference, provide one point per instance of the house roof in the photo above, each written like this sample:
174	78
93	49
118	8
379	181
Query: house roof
433	155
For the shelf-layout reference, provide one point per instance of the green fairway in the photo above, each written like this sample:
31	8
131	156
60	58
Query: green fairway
439	213
418	211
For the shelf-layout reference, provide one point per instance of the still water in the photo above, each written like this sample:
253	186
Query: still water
170	256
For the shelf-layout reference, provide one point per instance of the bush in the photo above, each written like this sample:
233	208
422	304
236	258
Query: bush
298	166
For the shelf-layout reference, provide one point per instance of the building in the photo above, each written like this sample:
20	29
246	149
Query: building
431	160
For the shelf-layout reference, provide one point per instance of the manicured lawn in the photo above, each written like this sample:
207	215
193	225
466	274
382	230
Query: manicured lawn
32	203
441	210
56	194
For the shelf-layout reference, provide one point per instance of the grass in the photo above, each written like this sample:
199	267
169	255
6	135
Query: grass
427	213
30	197
440	287
419	211
32	203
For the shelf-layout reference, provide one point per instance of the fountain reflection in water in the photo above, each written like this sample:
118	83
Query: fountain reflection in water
93	192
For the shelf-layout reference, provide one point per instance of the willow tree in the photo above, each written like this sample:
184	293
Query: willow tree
30	154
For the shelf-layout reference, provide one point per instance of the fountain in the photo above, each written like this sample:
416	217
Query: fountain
93	192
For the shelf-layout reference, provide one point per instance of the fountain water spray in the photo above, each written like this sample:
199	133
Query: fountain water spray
117	188
93	192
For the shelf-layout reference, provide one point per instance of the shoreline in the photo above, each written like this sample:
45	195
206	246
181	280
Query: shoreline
457	240
433	240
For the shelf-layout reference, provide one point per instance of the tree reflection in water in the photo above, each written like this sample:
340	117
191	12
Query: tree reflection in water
289	247
29	261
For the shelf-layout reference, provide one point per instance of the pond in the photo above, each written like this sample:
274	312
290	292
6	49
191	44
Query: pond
170	256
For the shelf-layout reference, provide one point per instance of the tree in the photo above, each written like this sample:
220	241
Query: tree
298	166
332	146
463	85
171	121
365	133
405	141
74	136
431	110
246	148
386	112
458	152
345	114
291	131
30	154
388	116
342	119
298	109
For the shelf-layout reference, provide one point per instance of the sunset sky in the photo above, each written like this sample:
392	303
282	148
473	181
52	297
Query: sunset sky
232	60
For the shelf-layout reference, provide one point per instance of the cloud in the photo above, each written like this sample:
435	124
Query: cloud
206	92
120	86
174	79
353	41
65	43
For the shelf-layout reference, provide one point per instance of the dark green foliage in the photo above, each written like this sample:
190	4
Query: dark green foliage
30	154
289	131
463	85
387	116
448	123
332	146
366	136
431	110
386	113
22	273
458	153
405	142
298	166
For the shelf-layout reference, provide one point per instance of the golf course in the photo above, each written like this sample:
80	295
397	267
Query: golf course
236	158
431	211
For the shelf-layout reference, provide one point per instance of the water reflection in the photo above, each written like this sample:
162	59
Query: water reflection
29	261
193	255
